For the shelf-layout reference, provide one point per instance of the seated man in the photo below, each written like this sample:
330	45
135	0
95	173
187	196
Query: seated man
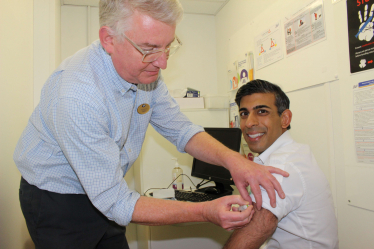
305	218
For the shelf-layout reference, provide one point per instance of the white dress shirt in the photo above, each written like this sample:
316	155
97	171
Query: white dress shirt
306	217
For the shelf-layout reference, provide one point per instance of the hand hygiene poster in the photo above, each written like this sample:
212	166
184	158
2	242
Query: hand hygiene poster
269	46
305	27
360	32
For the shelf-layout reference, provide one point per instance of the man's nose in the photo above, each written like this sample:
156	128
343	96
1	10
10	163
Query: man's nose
161	61
251	121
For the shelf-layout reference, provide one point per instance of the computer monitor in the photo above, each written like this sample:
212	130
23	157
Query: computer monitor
231	138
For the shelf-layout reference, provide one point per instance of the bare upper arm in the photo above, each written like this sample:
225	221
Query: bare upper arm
261	227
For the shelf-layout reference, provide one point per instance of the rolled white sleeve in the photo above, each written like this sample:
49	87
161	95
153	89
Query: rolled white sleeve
292	186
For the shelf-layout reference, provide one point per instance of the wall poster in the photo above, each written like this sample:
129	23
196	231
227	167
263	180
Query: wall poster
304	27
360	33
363	121
269	46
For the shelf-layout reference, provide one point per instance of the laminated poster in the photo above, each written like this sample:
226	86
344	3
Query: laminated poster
245	68
269	46
305	27
360	33
232	75
234	115
363	121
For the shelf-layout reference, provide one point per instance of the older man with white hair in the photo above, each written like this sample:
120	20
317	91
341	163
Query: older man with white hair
89	128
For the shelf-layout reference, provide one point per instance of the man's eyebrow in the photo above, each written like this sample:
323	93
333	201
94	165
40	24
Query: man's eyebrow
260	106
254	108
146	44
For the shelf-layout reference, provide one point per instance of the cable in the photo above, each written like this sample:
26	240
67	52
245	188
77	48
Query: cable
201	183
173	182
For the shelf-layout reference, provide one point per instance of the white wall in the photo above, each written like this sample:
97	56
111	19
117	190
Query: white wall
16	105
194	65
322	113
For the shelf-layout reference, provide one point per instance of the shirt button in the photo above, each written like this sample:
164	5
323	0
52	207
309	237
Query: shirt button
129	150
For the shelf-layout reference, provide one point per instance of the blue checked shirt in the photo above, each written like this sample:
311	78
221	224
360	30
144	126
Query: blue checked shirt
86	132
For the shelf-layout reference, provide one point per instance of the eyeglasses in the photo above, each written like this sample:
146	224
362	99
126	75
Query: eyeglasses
151	56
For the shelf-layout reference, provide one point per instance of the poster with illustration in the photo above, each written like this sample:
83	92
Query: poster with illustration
304	27
232	75
360	32
269	46
245	68
234	115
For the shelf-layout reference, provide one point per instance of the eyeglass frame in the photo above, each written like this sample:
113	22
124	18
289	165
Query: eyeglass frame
145	53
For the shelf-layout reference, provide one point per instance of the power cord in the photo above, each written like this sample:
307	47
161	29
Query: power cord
174	181
202	183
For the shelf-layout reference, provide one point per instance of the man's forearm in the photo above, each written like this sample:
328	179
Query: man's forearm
152	211
204	147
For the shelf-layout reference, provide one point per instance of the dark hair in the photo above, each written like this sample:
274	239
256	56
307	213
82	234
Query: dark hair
282	102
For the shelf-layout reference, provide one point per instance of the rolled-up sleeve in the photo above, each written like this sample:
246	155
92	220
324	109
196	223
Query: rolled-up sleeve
292	187
169	121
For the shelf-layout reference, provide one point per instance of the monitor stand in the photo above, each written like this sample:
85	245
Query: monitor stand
220	189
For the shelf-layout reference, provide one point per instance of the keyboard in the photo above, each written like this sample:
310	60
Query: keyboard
181	195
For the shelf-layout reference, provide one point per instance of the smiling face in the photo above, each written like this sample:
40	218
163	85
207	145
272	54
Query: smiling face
149	34
260	122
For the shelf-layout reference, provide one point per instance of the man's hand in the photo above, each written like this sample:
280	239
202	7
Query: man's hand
246	172
152	211
218	212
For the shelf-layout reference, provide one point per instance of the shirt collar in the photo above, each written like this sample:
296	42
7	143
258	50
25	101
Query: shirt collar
284	139
122	85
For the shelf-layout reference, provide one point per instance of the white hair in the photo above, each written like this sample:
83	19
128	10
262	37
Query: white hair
116	13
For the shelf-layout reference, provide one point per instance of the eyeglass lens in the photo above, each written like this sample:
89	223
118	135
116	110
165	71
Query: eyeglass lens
154	56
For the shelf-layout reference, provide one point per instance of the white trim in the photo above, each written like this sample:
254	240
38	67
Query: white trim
94	3
88	25
46	43
330	126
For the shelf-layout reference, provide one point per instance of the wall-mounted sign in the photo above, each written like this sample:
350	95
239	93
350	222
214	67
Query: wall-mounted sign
361	33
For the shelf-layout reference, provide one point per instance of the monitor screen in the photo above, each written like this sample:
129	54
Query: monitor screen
231	138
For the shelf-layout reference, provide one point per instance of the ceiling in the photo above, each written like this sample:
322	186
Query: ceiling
206	7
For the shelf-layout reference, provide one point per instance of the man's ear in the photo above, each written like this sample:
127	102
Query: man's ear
106	39
286	118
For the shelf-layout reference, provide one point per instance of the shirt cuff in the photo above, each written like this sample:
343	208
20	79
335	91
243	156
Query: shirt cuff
189	132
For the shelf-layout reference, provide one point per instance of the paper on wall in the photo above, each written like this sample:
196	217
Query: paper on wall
304	27
269	47
245	68
363	121
234	115
232	75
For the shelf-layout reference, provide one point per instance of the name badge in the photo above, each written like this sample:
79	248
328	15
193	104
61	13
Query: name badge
143	108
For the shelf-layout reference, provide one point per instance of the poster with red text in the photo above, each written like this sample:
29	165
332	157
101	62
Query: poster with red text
360	33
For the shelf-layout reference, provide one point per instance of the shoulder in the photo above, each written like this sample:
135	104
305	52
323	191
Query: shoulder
292	153
295	158
83	76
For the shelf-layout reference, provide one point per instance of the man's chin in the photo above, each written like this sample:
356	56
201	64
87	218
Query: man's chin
255	149
148	80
